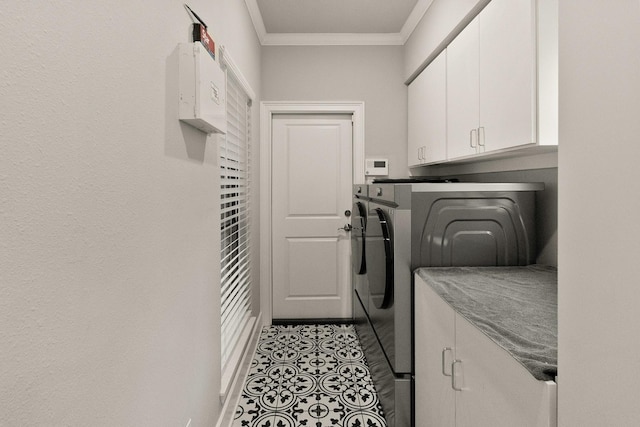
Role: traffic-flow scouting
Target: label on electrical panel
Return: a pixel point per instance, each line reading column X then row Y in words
column 215, row 93
column 201, row 35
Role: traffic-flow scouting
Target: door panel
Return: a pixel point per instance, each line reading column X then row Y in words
column 311, row 190
column 313, row 162
column 427, row 121
column 463, row 95
column 434, row 353
column 507, row 52
column 497, row 390
column 315, row 279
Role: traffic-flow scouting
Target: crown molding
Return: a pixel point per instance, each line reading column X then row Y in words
column 336, row 39
column 256, row 18
column 414, row 18
column 331, row 39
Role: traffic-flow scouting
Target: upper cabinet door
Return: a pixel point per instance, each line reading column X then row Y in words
column 416, row 112
column 463, row 92
column 427, row 114
column 507, row 74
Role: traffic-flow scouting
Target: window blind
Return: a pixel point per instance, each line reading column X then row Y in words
column 235, row 211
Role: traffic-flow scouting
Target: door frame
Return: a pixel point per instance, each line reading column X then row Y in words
column 267, row 110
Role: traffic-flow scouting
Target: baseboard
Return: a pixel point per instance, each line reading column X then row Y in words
column 234, row 391
column 311, row 321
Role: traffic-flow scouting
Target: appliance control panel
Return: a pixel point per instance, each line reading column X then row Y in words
column 376, row 167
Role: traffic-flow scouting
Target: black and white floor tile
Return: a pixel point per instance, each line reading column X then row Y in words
column 309, row 375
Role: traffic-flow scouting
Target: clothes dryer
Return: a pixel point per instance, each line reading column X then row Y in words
column 411, row 225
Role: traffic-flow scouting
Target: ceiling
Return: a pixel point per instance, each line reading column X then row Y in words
column 335, row 22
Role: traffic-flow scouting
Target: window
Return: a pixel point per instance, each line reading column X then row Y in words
column 235, row 211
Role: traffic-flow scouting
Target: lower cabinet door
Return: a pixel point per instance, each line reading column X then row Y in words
column 496, row 389
column 434, row 339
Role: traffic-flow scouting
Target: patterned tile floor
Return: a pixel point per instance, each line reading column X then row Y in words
column 309, row 375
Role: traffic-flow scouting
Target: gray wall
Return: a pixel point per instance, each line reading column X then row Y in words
column 109, row 216
column 372, row 74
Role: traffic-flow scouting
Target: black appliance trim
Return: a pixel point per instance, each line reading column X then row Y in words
column 388, row 249
column 362, row 211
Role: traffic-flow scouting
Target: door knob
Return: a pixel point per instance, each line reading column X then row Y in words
column 347, row 227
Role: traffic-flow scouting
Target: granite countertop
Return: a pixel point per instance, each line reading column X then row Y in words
column 514, row 306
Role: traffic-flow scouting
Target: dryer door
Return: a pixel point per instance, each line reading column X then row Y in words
column 379, row 258
column 358, row 224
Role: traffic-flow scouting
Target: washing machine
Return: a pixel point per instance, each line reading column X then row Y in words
column 427, row 224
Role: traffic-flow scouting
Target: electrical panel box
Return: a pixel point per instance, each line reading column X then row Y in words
column 202, row 89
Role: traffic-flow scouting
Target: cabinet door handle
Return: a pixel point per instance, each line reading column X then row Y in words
column 444, row 363
column 453, row 374
column 481, row 137
column 421, row 153
column 472, row 136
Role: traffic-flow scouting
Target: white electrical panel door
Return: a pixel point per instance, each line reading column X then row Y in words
column 202, row 87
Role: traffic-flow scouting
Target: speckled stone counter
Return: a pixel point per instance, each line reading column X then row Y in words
column 514, row 306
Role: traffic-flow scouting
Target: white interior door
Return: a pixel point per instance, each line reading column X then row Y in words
column 311, row 190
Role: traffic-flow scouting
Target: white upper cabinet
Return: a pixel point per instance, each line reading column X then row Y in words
column 507, row 75
column 438, row 26
column 463, row 92
column 427, row 119
column 491, row 81
column 501, row 83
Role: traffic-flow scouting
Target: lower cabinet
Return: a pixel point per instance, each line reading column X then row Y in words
column 463, row 378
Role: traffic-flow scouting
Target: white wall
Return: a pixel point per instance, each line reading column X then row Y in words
column 109, row 280
column 599, row 202
column 372, row 74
